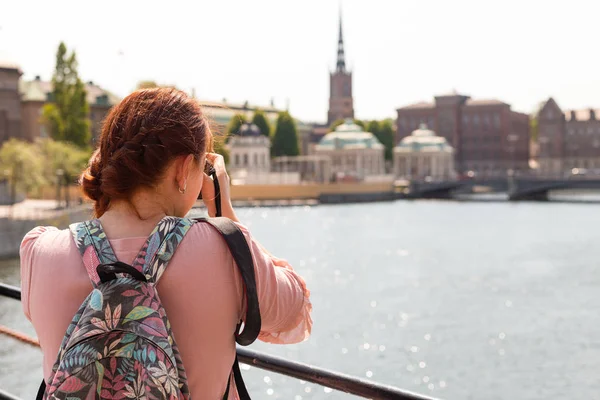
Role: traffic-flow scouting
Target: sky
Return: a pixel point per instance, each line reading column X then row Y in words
column 400, row 51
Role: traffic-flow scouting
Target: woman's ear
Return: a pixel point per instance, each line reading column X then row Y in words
column 183, row 170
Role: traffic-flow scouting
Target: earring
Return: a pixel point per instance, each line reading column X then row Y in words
column 182, row 191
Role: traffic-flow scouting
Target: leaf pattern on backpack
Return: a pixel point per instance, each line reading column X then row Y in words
column 119, row 344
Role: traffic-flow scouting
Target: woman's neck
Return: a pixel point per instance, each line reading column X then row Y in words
column 131, row 219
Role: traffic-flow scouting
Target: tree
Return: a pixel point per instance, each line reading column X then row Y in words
column 534, row 129
column 373, row 127
column 285, row 139
column 220, row 148
column 66, row 116
column 62, row 156
column 260, row 120
column 236, row 123
column 339, row 122
column 22, row 166
column 67, row 158
column 385, row 134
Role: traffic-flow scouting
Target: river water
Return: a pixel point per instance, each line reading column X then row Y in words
column 455, row 300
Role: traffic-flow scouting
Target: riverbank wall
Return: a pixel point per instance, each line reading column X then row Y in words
column 14, row 227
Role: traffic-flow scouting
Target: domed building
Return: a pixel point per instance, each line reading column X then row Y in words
column 424, row 155
column 249, row 150
column 353, row 151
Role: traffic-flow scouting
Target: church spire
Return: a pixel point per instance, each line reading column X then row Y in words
column 341, row 60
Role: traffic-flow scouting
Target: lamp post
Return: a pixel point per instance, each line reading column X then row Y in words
column 543, row 153
column 512, row 138
column 59, row 179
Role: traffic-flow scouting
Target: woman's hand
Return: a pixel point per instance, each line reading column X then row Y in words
column 208, row 188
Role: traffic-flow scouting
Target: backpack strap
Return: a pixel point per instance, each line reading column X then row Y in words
column 238, row 246
column 153, row 258
column 94, row 247
column 243, row 258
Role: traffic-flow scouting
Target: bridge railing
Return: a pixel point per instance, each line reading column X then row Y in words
column 309, row 373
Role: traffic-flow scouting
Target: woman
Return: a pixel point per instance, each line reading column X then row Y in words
column 150, row 164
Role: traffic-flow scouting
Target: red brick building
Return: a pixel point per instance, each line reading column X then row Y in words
column 35, row 93
column 488, row 137
column 10, row 101
column 567, row 139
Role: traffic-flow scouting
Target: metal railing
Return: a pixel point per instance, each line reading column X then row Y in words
column 320, row 376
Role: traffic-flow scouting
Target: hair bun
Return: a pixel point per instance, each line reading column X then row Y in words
column 91, row 178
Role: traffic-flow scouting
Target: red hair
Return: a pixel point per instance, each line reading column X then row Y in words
column 140, row 137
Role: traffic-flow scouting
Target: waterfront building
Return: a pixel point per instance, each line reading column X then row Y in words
column 568, row 140
column 424, row 156
column 352, row 151
column 488, row 137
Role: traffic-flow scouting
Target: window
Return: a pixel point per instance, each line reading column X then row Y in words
column 255, row 159
column 486, row 120
column 475, row 119
column 465, row 119
column 245, row 159
column 237, row 160
column 497, row 120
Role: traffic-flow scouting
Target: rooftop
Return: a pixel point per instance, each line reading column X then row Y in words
column 5, row 64
column 38, row 90
column 349, row 136
column 423, row 140
column 423, row 105
column 582, row 115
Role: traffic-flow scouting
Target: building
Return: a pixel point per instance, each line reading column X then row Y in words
column 250, row 150
column 36, row 93
column 424, row 156
column 353, row 152
column 250, row 160
column 487, row 136
column 567, row 139
column 341, row 105
column 10, row 101
column 221, row 113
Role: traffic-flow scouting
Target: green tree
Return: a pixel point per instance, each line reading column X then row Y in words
column 285, row 139
column 385, row 134
column 64, row 157
column 534, row 129
column 338, row 122
column 260, row 120
column 22, row 166
column 373, row 127
column 66, row 116
column 235, row 124
column 220, row 148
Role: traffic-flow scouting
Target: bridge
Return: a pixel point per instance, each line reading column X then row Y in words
column 519, row 188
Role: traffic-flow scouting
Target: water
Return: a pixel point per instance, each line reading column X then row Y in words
column 454, row 300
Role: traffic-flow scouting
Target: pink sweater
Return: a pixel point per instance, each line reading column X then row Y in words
column 201, row 291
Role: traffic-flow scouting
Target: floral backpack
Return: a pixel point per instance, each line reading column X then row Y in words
column 119, row 344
